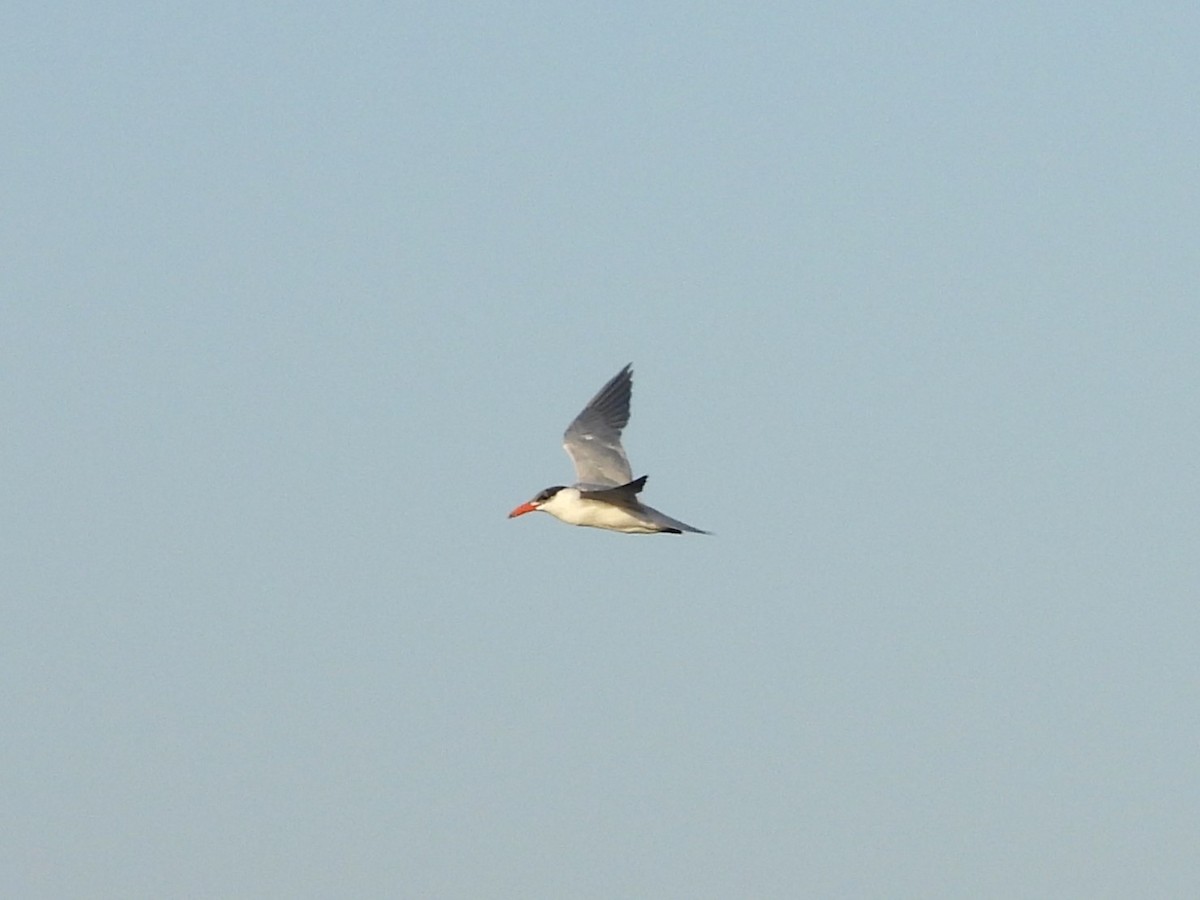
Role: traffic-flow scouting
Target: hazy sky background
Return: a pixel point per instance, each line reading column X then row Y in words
column 298, row 298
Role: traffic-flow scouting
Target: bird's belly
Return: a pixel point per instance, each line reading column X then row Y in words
column 595, row 514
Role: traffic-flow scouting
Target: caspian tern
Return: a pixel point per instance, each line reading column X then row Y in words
column 606, row 494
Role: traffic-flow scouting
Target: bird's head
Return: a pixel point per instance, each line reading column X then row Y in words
column 537, row 502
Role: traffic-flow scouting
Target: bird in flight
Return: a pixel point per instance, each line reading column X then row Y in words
column 606, row 495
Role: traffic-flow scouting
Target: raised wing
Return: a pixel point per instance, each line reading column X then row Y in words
column 593, row 440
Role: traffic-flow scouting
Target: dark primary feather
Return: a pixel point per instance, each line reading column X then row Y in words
column 608, row 411
column 621, row 495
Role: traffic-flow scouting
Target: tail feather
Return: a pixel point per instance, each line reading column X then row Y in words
column 669, row 525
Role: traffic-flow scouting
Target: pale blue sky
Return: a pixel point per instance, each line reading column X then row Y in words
column 298, row 299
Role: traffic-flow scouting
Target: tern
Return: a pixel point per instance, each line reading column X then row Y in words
column 606, row 494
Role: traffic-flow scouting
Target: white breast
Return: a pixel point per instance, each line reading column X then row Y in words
column 568, row 506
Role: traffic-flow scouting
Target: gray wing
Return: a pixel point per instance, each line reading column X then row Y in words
column 593, row 440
